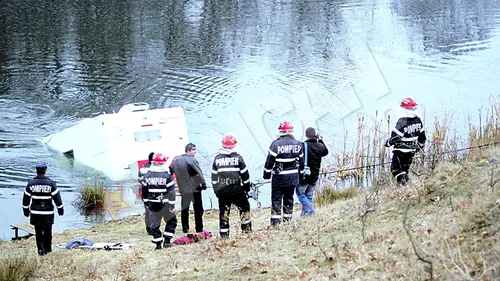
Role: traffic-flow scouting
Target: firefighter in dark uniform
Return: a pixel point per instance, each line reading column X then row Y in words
column 140, row 178
column 231, row 184
column 37, row 201
column 408, row 138
column 285, row 162
column 160, row 194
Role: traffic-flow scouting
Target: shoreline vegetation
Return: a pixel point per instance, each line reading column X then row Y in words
column 91, row 198
column 368, row 161
column 443, row 226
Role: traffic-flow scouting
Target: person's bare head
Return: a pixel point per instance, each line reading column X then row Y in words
column 191, row 149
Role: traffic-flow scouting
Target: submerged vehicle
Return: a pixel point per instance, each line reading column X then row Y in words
column 118, row 144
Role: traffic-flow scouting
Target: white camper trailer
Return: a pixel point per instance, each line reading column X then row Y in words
column 117, row 143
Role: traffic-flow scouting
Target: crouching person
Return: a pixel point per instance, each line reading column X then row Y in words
column 160, row 190
column 231, row 183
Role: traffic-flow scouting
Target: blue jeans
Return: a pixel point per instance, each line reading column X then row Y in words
column 305, row 193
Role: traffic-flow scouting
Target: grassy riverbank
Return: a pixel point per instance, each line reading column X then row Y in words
column 444, row 226
column 446, row 223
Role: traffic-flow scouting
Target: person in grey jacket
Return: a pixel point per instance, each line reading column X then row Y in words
column 190, row 181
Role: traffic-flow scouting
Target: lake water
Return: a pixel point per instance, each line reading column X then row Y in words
column 234, row 66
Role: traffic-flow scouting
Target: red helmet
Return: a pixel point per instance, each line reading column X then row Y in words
column 229, row 141
column 408, row 103
column 285, row 127
column 159, row 159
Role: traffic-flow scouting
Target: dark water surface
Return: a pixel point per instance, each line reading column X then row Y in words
column 234, row 66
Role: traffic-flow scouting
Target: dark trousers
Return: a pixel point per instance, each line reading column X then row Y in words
column 170, row 219
column 241, row 202
column 401, row 162
column 281, row 196
column 146, row 219
column 196, row 199
column 43, row 232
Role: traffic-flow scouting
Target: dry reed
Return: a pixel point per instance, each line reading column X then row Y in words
column 369, row 160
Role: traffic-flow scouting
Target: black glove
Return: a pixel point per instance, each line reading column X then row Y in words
column 247, row 186
column 200, row 187
column 266, row 176
column 26, row 212
column 204, row 186
column 387, row 144
column 60, row 211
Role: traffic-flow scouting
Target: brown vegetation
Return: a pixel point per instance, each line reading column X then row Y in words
column 443, row 226
column 450, row 219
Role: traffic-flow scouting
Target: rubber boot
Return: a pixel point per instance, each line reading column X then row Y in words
column 403, row 180
column 246, row 228
column 167, row 243
column 158, row 246
column 224, row 235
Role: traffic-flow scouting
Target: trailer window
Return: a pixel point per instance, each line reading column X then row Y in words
column 147, row 135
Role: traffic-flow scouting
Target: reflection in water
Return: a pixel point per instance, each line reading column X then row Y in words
column 455, row 29
column 234, row 66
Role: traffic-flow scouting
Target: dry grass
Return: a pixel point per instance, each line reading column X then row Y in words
column 18, row 265
column 328, row 194
column 453, row 222
column 486, row 133
column 366, row 161
column 443, row 226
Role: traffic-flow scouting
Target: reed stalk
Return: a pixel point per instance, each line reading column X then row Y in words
column 368, row 160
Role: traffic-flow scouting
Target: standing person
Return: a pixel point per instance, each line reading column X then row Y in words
column 408, row 138
column 231, row 183
column 37, row 201
column 190, row 180
column 314, row 150
column 285, row 162
column 140, row 177
column 160, row 191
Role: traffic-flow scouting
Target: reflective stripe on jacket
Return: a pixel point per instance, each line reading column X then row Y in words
column 38, row 196
column 229, row 173
column 285, row 161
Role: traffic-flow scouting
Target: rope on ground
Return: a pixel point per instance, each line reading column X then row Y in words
column 427, row 156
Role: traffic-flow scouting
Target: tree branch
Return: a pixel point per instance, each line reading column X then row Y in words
column 412, row 241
